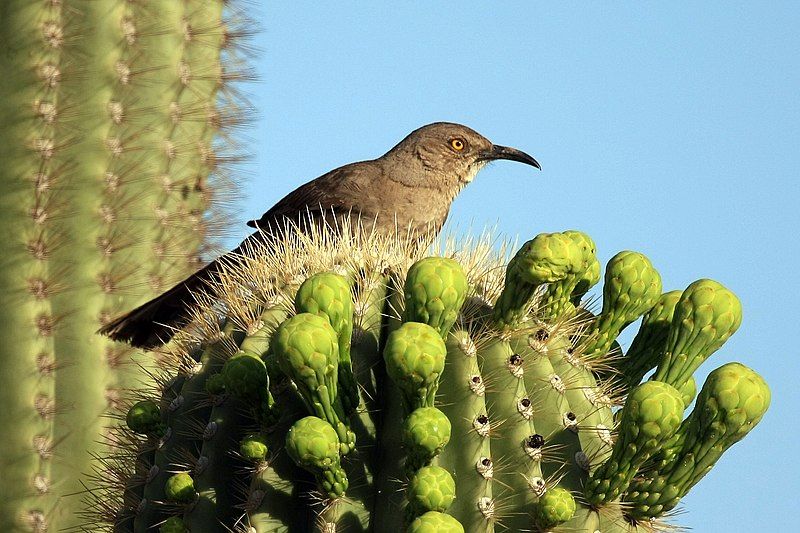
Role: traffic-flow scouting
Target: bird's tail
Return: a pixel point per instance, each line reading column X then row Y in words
column 153, row 323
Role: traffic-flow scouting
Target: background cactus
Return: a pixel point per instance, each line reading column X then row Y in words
column 112, row 113
column 517, row 431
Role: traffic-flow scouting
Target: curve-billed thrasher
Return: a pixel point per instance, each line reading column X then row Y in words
column 409, row 187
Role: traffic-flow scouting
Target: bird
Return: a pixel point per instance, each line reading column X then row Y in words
column 412, row 187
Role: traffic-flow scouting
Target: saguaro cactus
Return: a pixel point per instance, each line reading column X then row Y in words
column 110, row 111
column 486, row 398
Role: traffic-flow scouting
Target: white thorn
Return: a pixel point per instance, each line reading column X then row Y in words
column 485, row 467
column 123, row 71
column 557, row 383
column 116, row 111
column 49, row 74
column 53, row 33
column 128, row 27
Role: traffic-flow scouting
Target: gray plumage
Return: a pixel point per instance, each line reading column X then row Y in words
column 410, row 187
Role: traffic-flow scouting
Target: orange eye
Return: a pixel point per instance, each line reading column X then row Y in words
column 457, row 144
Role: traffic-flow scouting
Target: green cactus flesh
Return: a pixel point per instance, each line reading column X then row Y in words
column 111, row 114
column 468, row 417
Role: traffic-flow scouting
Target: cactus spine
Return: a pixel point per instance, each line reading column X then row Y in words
column 469, row 417
column 110, row 111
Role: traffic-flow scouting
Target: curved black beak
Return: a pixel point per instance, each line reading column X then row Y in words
column 512, row 154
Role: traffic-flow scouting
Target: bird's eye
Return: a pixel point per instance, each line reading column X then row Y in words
column 458, row 144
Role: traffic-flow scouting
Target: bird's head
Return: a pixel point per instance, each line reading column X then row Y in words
column 452, row 154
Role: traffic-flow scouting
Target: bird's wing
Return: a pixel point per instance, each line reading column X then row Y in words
column 331, row 192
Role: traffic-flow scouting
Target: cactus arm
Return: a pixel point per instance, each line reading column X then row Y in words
column 90, row 187
column 706, row 315
column 82, row 375
column 130, row 222
column 189, row 165
column 462, row 398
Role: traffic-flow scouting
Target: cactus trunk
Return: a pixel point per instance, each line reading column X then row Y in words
column 110, row 111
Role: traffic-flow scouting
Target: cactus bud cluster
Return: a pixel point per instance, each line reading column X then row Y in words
column 451, row 414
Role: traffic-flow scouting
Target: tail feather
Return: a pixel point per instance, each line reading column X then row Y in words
column 153, row 323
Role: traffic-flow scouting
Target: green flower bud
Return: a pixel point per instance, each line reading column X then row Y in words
column 173, row 524
column 425, row 432
column 548, row 258
column 434, row 291
column 313, row 444
column 557, row 301
column 180, row 488
column 705, row 317
column 632, row 287
column 435, row 522
column 246, row 377
column 733, row 400
column 307, row 350
column 587, row 280
column 253, row 448
column 554, row 507
column 145, row 418
column 652, row 414
column 328, row 295
column 431, row 489
column 415, row 355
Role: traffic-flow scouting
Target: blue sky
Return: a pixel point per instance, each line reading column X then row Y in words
column 671, row 128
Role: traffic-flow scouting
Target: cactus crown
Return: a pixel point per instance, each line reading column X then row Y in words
column 466, row 416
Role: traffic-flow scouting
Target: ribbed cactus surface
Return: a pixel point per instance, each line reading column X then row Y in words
column 357, row 386
column 110, row 110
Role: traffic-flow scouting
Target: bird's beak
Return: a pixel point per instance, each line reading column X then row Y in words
column 504, row 152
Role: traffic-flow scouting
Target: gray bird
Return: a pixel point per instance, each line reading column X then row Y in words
column 410, row 187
